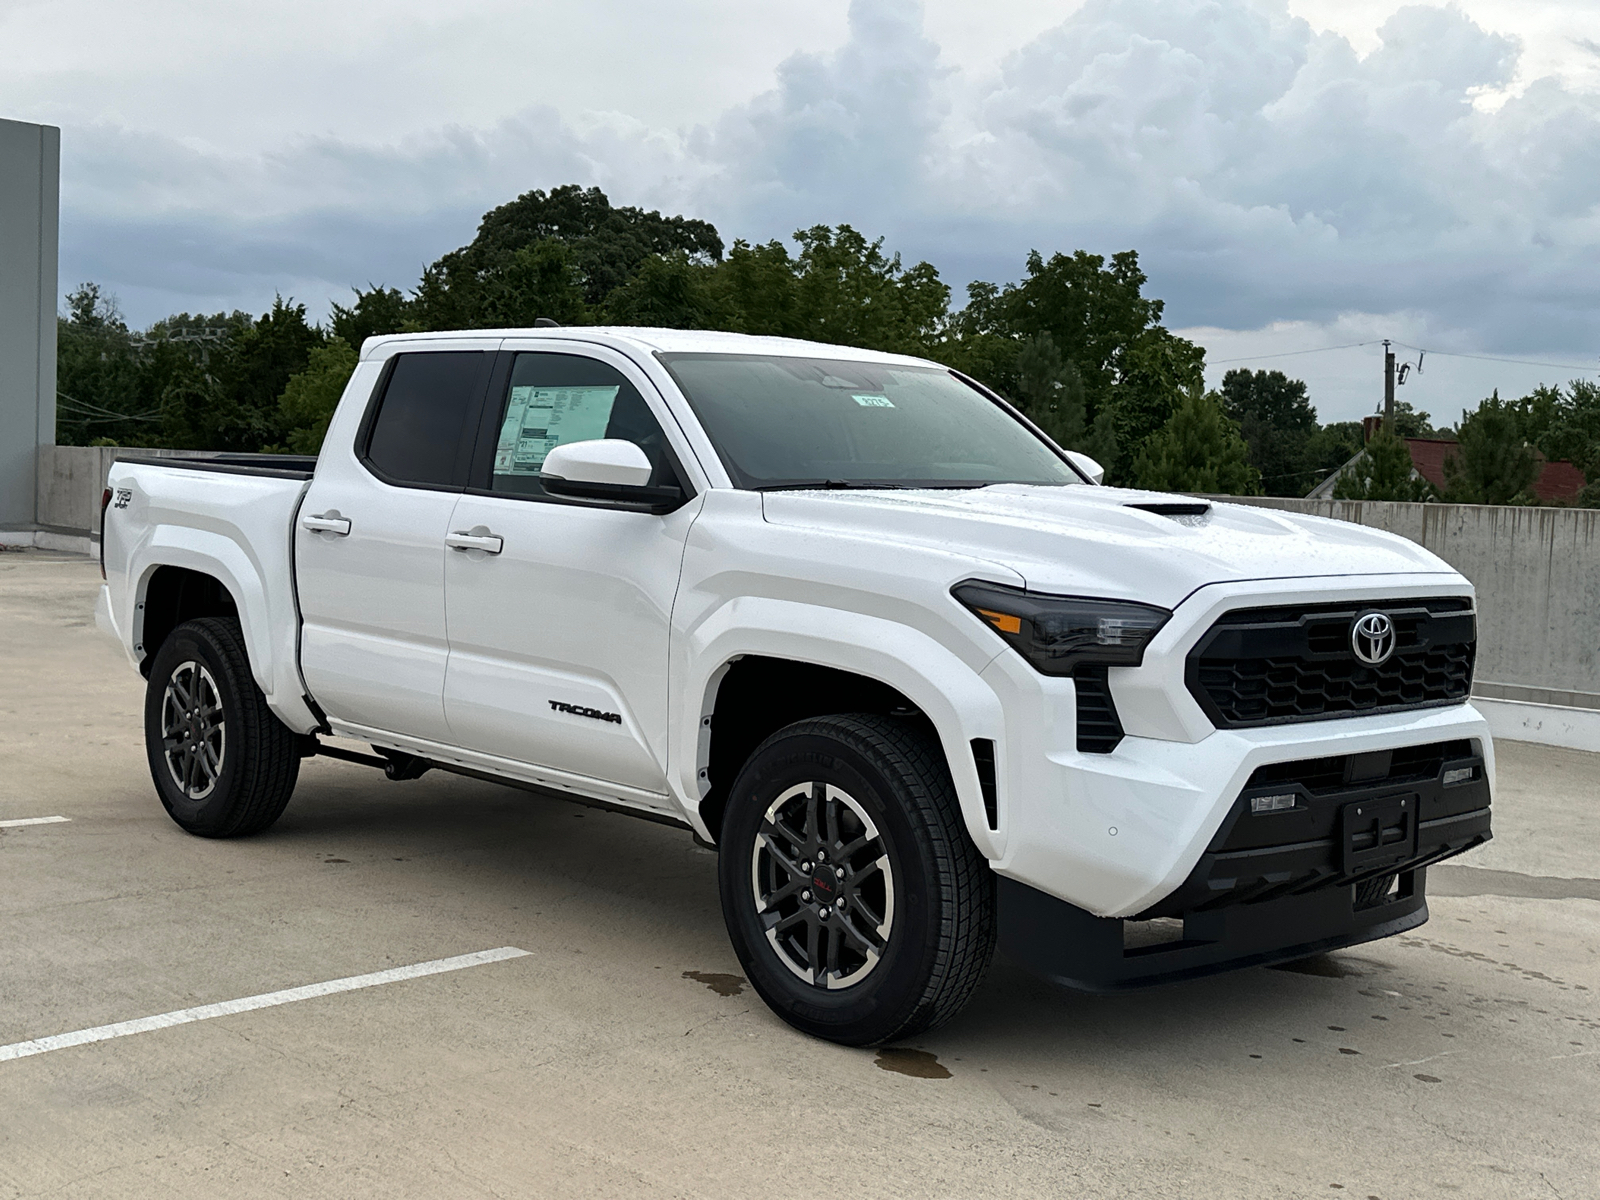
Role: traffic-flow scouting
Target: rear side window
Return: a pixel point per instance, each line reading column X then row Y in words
column 554, row 399
column 421, row 432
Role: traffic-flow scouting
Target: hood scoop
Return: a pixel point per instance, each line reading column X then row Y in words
column 1184, row 512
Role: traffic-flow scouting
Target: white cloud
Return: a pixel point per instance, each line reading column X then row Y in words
column 1278, row 168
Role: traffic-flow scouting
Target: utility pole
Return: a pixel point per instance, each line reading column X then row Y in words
column 1388, row 386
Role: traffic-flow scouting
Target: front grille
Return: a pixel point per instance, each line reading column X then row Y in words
column 1268, row 666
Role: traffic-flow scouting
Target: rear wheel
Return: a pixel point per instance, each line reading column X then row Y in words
column 223, row 764
column 857, row 904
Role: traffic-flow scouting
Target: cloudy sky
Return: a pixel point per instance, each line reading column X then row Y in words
column 1294, row 173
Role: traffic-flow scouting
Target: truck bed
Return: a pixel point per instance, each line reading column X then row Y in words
column 273, row 466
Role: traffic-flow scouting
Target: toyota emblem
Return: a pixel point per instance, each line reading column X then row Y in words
column 1372, row 638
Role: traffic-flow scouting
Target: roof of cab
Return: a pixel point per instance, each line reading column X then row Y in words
column 666, row 341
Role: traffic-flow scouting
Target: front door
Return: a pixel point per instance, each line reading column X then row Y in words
column 370, row 546
column 558, row 630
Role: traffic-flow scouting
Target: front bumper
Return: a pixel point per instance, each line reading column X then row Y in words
column 1313, row 855
column 1077, row 949
column 1116, row 834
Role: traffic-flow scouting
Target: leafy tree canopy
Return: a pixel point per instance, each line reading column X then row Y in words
column 1277, row 421
column 1495, row 463
column 557, row 254
column 1383, row 472
column 1198, row 450
column 309, row 398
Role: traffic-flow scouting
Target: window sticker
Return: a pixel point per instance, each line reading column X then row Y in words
column 540, row 419
column 872, row 401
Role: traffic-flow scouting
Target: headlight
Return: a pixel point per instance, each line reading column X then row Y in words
column 1058, row 634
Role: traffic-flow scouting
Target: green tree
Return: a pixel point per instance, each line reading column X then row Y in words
column 251, row 368
column 1564, row 425
column 1276, row 419
column 1329, row 448
column 101, row 391
column 1099, row 319
column 1198, row 450
column 1383, row 472
column 377, row 311
column 1050, row 391
column 1409, row 423
column 566, row 250
column 1494, row 463
column 309, row 398
column 1157, row 371
column 671, row 292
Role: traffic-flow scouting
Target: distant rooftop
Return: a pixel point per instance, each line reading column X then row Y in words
column 1558, row 482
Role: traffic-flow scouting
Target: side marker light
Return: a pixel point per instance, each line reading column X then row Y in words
column 1004, row 622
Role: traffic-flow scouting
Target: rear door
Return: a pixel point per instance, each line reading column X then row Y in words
column 558, row 631
column 370, row 544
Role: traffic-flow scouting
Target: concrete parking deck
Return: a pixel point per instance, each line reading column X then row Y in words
column 623, row 1055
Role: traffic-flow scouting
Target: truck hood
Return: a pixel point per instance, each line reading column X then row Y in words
column 1097, row 541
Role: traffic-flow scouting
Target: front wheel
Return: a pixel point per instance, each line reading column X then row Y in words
column 855, row 900
column 223, row 764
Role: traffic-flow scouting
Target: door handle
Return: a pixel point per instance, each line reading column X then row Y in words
column 477, row 538
column 328, row 522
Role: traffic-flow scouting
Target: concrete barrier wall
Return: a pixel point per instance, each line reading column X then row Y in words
column 1537, row 574
column 1536, row 570
column 71, row 480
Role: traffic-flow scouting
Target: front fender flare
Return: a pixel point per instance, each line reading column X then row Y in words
column 945, row 687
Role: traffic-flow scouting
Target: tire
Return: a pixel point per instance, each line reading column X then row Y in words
column 912, row 906
column 223, row 764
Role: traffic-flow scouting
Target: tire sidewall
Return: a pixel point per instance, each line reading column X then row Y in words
column 881, row 1003
column 210, row 815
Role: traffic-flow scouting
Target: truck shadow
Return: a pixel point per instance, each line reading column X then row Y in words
column 502, row 850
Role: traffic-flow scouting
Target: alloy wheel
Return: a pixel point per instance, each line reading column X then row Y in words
column 193, row 731
column 823, row 885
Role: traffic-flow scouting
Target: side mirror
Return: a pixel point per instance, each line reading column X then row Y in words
column 1095, row 472
column 608, row 469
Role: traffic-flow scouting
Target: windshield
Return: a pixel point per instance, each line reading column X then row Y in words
column 810, row 422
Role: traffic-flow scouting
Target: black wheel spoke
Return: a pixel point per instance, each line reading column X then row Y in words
column 848, row 927
column 778, row 856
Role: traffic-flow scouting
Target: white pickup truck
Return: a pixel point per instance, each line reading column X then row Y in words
column 846, row 616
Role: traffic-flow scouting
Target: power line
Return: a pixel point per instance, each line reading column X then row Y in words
column 1217, row 362
column 1527, row 362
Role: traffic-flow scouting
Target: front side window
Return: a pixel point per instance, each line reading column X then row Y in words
column 420, row 433
column 555, row 399
column 803, row 422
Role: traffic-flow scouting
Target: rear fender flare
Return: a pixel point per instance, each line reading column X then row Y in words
column 270, row 635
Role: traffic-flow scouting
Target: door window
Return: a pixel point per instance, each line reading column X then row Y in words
column 420, row 431
column 554, row 399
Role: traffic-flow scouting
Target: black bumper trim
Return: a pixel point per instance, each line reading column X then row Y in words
column 1076, row 949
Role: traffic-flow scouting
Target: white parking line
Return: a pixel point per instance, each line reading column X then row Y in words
column 32, row 821
column 226, row 1008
